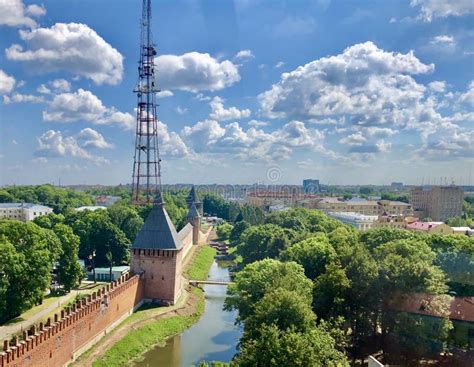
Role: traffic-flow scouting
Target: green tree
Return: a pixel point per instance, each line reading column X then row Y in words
column 281, row 307
column 11, row 272
column 223, row 231
column 36, row 250
column 330, row 290
column 237, row 231
column 378, row 236
column 259, row 242
column 256, row 279
column 314, row 253
column 70, row 270
column 276, row 348
column 126, row 219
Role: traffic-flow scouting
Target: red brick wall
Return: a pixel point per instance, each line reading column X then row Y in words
column 162, row 273
column 56, row 344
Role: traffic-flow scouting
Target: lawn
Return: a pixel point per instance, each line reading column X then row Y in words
column 201, row 263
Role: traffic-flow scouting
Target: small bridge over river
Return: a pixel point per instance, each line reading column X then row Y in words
column 209, row 282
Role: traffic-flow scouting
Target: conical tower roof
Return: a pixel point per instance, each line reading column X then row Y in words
column 193, row 212
column 158, row 232
column 193, row 197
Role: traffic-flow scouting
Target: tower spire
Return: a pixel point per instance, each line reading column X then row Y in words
column 146, row 166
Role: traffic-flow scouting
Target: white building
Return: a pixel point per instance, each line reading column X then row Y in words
column 23, row 211
column 360, row 221
column 463, row 230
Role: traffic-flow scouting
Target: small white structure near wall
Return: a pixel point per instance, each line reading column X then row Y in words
column 374, row 363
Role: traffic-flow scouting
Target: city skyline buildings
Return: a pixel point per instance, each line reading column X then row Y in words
column 72, row 120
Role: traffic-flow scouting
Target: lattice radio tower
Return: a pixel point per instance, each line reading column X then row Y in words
column 146, row 165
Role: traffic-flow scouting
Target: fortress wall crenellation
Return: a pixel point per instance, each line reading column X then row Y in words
column 55, row 342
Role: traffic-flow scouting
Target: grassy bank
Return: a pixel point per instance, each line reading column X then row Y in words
column 138, row 341
column 155, row 333
column 201, row 263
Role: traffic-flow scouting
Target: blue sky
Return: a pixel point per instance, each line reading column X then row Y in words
column 344, row 91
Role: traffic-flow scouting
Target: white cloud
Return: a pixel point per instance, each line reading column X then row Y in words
column 437, row 86
column 36, row 10
column 82, row 105
column 164, row 94
column 356, row 139
column 210, row 137
column 91, row 138
column 392, row 20
column 430, row 9
column 222, row 114
column 194, row 72
column 244, row 55
column 256, row 123
column 7, row 82
column 468, row 96
column 43, row 89
column 71, row 47
column 367, row 85
column 23, row 98
column 279, row 64
column 201, row 97
column 61, row 85
column 443, row 39
column 52, row 144
column 170, row 143
column 14, row 14
column 181, row 110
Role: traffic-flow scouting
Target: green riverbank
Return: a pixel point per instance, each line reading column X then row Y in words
column 139, row 340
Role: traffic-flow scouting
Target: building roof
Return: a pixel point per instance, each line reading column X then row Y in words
column 24, row 206
column 193, row 196
column 353, row 216
column 423, row 226
column 461, row 229
column 193, row 212
column 122, row 269
column 158, row 232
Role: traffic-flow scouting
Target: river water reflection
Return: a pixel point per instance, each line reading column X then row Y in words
column 213, row 338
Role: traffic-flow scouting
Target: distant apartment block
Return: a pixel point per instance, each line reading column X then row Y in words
column 366, row 207
column 267, row 199
column 23, row 211
column 311, row 186
column 360, row 221
column 438, row 203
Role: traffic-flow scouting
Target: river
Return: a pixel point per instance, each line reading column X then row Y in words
column 213, row 338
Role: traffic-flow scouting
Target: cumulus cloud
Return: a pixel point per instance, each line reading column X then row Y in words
column 23, row 98
column 57, row 85
column 430, row 9
column 52, row 144
column 468, row 97
column 437, row 86
column 222, row 114
column 279, row 64
column 83, row 105
column 14, row 14
column 36, row 10
column 170, row 143
column 257, row 123
column 71, row 47
column 164, row 94
column 194, row 72
column 181, row 110
column 91, row 138
column 210, row 137
column 7, row 82
column 244, row 55
column 443, row 39
column 365, row 84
